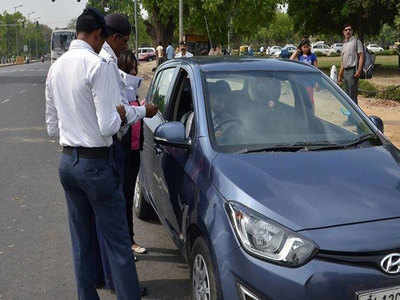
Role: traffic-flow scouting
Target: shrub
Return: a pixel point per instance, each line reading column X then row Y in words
column 390, row 93
column 366, row 88
column 387, row 52
column 334, row 54
column 319, row 54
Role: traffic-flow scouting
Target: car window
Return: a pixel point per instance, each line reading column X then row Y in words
column 161, row 87
column 278, row 108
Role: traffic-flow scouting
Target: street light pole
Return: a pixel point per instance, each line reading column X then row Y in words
column 180, row 21
column 136, row 29
column 37, row 33
column 16, row 30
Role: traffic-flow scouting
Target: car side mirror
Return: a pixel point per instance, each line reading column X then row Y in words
column 172, row 134
column 378, row 122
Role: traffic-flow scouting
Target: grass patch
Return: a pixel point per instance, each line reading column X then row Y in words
column 387, row 62
column 366, row 88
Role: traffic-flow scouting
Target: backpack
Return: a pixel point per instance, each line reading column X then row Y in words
column 369, row 63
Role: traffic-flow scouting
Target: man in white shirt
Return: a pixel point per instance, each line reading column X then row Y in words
column 170, row 51
column 80, row 89
column 183, row 53
column 116, row 43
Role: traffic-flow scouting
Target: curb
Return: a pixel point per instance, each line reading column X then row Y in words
column 9, row 65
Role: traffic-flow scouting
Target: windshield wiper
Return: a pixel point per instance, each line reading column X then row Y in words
column 361, row 139
column 304, row 146
column 275, row 148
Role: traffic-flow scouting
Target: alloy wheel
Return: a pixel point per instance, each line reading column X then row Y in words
column 201, row 279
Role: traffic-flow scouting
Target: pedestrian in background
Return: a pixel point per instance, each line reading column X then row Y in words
column 183, row 52
column 133, row 139
column 303, row 54
column 352, row 63
column 170, row 51
column 80, row 89
column 159, row 54
column 116, row 43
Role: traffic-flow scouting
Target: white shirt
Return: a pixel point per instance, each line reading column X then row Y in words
column 160, row 51
column 179, row 55
column 133, row 113
column 79, row 87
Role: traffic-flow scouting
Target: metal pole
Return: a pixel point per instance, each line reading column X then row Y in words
column 180, row 21
column 16, row 40
column 136, row 30
column 208, row 32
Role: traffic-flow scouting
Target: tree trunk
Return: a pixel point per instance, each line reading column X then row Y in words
column 159, row 32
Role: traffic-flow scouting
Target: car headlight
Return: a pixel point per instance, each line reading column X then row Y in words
column 268, row 240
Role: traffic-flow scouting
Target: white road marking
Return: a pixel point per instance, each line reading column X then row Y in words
column 34, row 84
column 5, row 101
column 22, row 91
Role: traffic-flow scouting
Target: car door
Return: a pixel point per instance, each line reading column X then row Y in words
column 176, row 189
column 158, row 94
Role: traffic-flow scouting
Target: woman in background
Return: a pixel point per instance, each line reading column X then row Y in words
column 133, row 139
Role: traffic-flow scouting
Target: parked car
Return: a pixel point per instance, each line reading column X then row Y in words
column 323, row 48
column 271, row 190
column 338, row 47
column 374, row 48
column 290, row 49
column 273, row 49
column 147, row 53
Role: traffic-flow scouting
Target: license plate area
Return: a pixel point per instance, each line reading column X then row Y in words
column 381, row 294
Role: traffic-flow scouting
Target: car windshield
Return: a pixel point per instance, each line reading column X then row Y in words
column 260, row 109
column 62, row 40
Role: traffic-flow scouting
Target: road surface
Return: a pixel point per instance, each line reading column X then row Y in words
column 35, row 248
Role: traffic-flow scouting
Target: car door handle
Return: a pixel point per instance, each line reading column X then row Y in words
column 158, row 150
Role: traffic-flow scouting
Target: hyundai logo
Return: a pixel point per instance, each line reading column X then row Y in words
column 391, row 263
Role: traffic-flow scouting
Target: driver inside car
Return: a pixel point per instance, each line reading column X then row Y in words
column 227, row 128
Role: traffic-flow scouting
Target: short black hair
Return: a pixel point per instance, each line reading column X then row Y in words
column 117, row 23
column 182, row 43
column 90, row 20
column 347, row 25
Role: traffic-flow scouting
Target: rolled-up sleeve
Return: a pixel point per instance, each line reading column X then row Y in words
column 134, row 113
column 51, row 111
column 105, row 88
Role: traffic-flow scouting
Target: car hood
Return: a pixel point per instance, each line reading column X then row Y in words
column 316, row 189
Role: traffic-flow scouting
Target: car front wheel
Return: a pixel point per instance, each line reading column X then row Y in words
column 143, row 209
column 204, row 283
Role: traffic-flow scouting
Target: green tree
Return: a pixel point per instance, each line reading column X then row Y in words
column 327, row 16
column 243, row 18
column 279, row 31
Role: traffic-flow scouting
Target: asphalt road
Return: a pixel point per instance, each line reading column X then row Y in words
column 35, row 248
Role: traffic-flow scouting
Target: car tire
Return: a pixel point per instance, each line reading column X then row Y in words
column 150, row 59
column 143, row 209
column 203, row 276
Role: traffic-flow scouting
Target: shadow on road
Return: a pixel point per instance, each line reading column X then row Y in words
column 179, row 289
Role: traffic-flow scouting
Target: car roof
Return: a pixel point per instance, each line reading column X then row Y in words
column 229, row 63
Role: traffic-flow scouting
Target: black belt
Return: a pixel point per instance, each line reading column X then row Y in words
column 99, row 152
column 349, row 68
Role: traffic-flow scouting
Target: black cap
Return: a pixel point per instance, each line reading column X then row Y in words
column 90, row 20
column 118, row 23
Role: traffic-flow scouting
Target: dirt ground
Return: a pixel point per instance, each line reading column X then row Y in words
column 388, row 111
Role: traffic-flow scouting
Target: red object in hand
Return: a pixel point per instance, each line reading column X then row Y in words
column 135, row 130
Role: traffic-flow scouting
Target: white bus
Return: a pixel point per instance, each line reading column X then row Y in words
column 60, row 41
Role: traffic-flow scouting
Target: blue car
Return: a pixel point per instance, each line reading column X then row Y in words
column 271, row 181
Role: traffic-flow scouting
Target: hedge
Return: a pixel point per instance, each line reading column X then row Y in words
column 387, row 52
column 390, row 93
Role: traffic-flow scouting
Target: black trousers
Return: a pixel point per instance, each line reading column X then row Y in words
column 131, row 172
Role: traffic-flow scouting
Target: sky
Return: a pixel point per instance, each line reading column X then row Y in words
column 54, row 14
